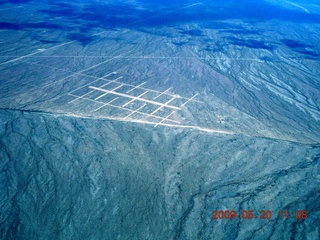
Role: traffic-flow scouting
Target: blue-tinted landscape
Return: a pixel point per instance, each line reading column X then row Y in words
column 138, row 119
